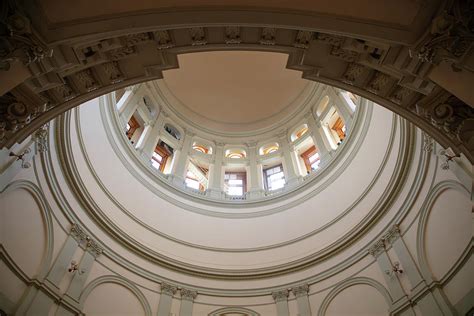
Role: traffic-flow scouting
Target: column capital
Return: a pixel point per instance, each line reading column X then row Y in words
column 301, row 290
column 281, row 295
column 187, row 294
column 168, row 289
column 251, row 144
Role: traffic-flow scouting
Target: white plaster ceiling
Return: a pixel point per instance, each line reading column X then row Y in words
column 236, row 91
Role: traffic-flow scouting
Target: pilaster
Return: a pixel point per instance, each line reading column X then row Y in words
column 166, row 298
column 281, row 302
column 187, row 301
column 302, row 299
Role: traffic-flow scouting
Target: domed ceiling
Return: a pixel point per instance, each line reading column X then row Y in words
column 234, row 91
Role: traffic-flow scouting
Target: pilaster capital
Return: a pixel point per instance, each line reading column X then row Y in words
column 377, row 248
column 281, row 295
column 188, row 295
column 251, row 144
column 168, row 289
column 301, row 290
column 392, row 234
column 82, row 238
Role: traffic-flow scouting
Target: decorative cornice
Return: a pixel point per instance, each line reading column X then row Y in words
column 168, row 289
column 301, row 290
column 187, row 294
column 281, row 295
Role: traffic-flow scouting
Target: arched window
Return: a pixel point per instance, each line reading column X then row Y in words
column 311, row 159
column 202, row 148
column 268, row 149
column 235, row 153
column 300, row 131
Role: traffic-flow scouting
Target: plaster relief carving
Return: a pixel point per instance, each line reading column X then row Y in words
column 353, row 72
column 301, row 290
column 379, row 82
column 187, row 294
column 232, row 35
column 86, row 80
column 392, row 234
column 19, row 43
column 40, row 138
column 168, row 289
column 303, row 39
column 268, row 36
column 331, row 39
column 377, row 248
column 344, row 54
column 83, row 239
column 280, row 295
column 428, row 143
column 134, row 39
column 198, row 36
column 113, row 72
column 163, row 39
column 400, row 94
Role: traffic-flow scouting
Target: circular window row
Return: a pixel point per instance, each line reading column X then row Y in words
column 248, row 171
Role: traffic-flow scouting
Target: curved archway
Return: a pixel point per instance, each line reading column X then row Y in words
column 378, row 61
column 351, row 282
column 117, row 280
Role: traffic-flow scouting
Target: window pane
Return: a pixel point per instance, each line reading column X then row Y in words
column 191, row 183
column 235, row 191
column 235, row 182
column 155, row 164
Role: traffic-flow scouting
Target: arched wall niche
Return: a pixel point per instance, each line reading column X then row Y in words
column 32, row 224
column 355, row 282
column 435, row 215
column 237, row 311
column 121, row 284
column 375, row 60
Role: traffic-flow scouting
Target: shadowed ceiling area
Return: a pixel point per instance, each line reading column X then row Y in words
column 394, row 12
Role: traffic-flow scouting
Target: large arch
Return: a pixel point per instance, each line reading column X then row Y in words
column 54, row 63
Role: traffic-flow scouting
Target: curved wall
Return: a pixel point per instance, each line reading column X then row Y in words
column 176, row 260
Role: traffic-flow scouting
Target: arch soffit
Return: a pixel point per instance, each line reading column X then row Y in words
column 377, row 69
column 351, row 282
column 120, row 281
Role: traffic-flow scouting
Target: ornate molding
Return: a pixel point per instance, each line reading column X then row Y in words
column 450, row 36
column 379, row 71
column 388, row 238
column 279, row 296
column 168, row 289
column 40, row 138
column 392, row 234
column 428, row 143
column 301, row 290
column 188, row 295
column 17, row 41
column 232, row 35
column 377, row 248
column 82, row 238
